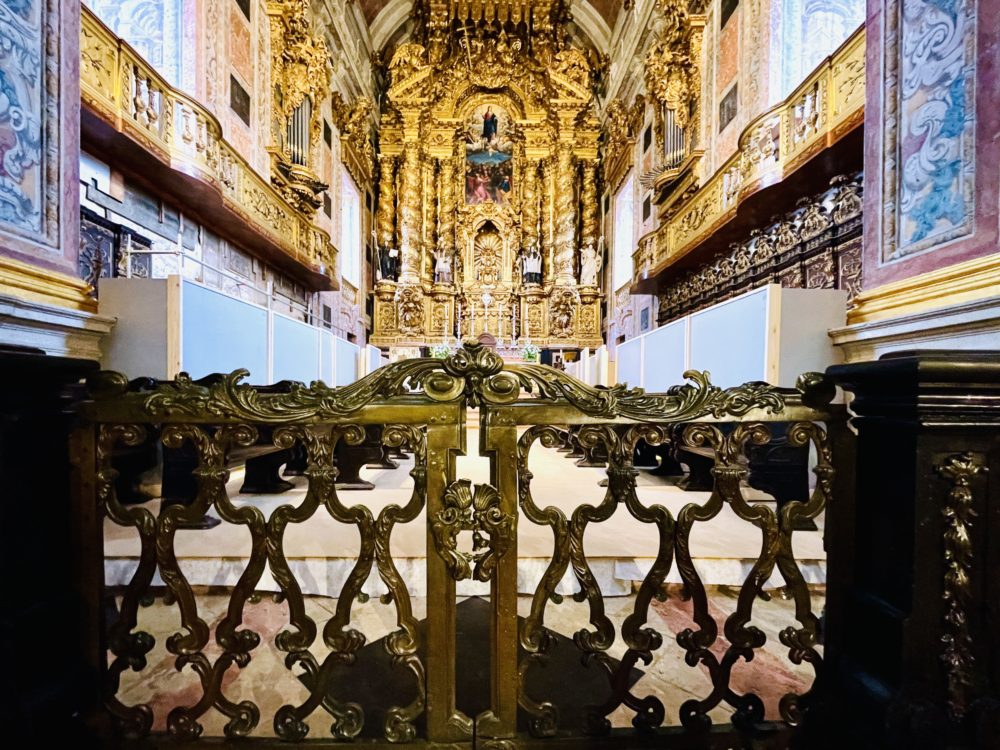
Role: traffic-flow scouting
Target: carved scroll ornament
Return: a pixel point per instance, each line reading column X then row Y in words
column 476, row 509
column 473, row 373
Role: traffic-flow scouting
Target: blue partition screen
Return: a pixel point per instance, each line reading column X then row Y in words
column 209, row 344
column 629, row 365
column 296, row 350
column 347, row 362
column 327, row 344
column 664, row 360
column 729, row 340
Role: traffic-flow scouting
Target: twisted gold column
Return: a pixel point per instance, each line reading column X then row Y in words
column 529, row 205
column 588, row 203
column 409, row 215
column 446, row 206
column 547, row 224
column 386, row 219
column 428, row 219
column 564, row 248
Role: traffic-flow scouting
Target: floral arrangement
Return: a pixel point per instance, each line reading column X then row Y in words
column 530, row 353
column 440, row 351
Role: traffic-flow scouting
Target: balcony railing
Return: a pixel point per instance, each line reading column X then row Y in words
column 827, row 105
column 126, row 92
column 320, row 679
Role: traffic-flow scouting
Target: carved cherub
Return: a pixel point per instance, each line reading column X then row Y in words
column 406, row 61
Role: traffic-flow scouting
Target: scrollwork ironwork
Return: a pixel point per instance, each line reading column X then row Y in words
column 473, row 372
column 476, row 509
column 420, row 405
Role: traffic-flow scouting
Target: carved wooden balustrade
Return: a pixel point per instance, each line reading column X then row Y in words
column 825, row 107
column 421, row 405
column 124, row 90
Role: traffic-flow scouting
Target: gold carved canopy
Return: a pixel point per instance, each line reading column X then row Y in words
column 488, row 148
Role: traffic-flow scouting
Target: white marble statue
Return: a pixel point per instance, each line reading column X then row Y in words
column 590, row 265
column 442, row 267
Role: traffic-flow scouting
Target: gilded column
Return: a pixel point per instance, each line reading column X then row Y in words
column 588, row 204
column 386, row 219
column 529, row 205
column 446, row 206
column 564, row 246
column 409, row 215
column 429, row 197
column 547, row 224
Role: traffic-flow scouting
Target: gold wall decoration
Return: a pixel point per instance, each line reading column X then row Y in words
column 184, row 135
column 354, row 122
column 622, row 124
column 673, row 83
column 959, row 470
column 496, row 156
column 300, row 71
column 827, row 106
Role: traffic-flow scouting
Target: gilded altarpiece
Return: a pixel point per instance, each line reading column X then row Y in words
column 487, row 192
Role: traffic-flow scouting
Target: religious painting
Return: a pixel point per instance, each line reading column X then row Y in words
column 488, row 151
column 21, row 114
column 931, row 136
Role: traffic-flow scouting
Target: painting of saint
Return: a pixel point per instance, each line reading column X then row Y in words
column 488, row 151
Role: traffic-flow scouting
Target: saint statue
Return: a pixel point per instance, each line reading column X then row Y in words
column 531, row 265
column 442, row 267
column 590, row 265
column 388, row 258
column 489, row 125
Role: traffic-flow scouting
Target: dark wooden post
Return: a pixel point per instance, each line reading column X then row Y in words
column 913, row 636
column 50, row 551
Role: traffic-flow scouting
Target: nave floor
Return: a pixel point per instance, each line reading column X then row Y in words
column 322, row 551
column 270, row 684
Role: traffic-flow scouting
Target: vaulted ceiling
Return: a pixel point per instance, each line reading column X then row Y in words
column 608, row 9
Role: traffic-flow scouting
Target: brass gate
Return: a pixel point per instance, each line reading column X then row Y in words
column 421, row 406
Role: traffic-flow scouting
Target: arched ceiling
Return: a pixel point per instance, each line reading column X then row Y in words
column 595, row 18
column 607, row 9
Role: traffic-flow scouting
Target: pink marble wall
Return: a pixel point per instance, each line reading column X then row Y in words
column 728, row 54
column 881, row 164
column 240, row 45
column 47, row 159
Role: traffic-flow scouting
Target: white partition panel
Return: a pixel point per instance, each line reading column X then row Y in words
column 374, row 358
column 601, row 366
column 665, row 356
column 140, row 344
column 327, row 348
column 222, row 334
column 295, row 350
column 729, row 340
column 346, row 362
column 629, row 362
column 806, row 315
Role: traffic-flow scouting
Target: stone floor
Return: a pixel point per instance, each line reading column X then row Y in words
column 268, row 683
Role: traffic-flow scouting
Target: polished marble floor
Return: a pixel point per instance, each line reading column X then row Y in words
column 270, row 684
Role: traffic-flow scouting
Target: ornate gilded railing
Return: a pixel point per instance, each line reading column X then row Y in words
column 420, row 405
column 125, row 91
column 817, row 114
